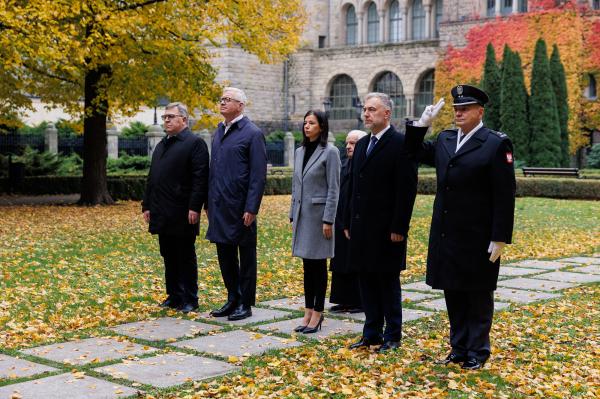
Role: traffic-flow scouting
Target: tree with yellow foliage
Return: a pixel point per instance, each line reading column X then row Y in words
column 119, row 55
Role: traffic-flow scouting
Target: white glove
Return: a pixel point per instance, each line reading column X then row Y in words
column 495, row 249
column 430, row 113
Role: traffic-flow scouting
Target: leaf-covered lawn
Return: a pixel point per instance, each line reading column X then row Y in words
column 69, row 271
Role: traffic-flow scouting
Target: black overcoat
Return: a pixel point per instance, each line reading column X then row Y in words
column 383, row 187
column 238, row 174
column 339, row 263
column 474, row 204
column 177, row 182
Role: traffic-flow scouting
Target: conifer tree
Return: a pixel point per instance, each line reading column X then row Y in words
column 513, row 105
column 559, row 83
column 544, row 145
column 490, row 83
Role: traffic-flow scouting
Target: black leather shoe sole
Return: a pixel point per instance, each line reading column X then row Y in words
column 364, row 343
column 239, row 315
column 223, row 311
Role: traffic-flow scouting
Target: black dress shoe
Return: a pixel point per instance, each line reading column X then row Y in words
column 169, row 303
column 300, row 328
column 240, row 313
column 365, row 342
column 225, row 310
column 452, row 358
column 473, row 364
column 337, row 308
column 187, row 307
column 388, row 345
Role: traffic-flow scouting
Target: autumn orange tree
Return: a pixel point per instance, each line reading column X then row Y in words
column 119, row 55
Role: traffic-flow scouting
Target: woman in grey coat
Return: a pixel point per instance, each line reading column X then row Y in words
column 315, row 191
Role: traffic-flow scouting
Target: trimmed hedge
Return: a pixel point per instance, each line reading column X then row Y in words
column 132, row 187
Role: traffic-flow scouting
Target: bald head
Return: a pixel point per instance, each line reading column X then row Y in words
column 351, row 139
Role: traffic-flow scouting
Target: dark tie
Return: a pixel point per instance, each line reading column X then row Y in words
column 371, row 144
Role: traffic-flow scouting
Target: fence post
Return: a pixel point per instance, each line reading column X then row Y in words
column 51, row 139
column 289, row 147
column 207, row 139
column 112, row 141
column 155, row 134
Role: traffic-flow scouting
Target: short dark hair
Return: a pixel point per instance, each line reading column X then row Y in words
column 323, row 125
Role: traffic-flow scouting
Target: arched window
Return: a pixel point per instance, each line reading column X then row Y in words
column 596, row 4
column 342, row 96
column 424, row 95
column 590, row 91
column 506, row 7
column 418, row 20
column 396, row 27
column 439, row 12
column 351, row 26
column 491, row 8
column 523, row 5
column 372, row 24
column 390, row 84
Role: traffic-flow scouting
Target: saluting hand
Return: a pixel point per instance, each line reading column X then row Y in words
column 430, row 113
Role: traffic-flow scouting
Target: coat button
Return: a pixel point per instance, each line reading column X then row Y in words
column 451, row 165
column 443, row 235
column 447, row 188
column 445, row 211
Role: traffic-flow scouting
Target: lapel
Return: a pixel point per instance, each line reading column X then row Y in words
column 313, row 158
column 473, row 143
column 235, row 127
column 449, row 143
column 378, row 147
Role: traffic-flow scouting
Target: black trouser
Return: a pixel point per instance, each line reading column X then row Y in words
column 239, row 274
column 315, row 283
column 382, row 302
column 345, row 289
column 470, row 314
column 181, row 267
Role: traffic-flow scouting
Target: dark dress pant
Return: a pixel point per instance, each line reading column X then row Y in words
column 239, row 273
column 382, row 302
column 470, row 314
column 315, row 283
column 181, row 267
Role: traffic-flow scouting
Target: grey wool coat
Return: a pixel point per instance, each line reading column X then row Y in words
column 315, row 195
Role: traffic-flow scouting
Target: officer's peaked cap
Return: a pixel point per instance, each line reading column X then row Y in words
column 465, row 95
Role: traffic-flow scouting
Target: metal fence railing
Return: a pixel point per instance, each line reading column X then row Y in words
column 16, row 143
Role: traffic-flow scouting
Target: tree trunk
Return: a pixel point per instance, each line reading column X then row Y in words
column 94, row 189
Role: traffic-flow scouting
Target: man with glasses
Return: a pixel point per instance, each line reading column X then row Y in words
column 176, row 190
column 238, row 174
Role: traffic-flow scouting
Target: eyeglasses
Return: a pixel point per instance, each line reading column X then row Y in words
column 168, row 117
column 228, row 100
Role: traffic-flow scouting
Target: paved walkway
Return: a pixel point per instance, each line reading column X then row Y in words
column 168, row 351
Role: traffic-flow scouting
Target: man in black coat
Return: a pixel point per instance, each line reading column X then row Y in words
column 176, row 191
column 345, row 292
column 383, row 187
column 472, row 218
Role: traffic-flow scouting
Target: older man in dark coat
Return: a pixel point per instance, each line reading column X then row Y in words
column 472, row 218
column 383, row 187
column 236, row 186
column 175, row 193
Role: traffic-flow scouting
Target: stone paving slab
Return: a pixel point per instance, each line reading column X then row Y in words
column 522, row 296
column 63, row 386
column 89, row 350
column 294, row 303
column 166, row 328
column 168, row 369
column 569, row 277
column 12, row 367
column 237, row 343
column 541, row 264
column 533, row 284
column 440, row 305
column 586, row 260
column 330, row 327
column 407, row 315
column 517, row 271
column 590, row 269
column 258, row 315
column 412, row 296
column 420, row 286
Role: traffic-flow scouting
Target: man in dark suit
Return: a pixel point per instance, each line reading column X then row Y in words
column 383, row 189
column 237, row 181
column 345, row 292
column 472, row 218
column 176, row 190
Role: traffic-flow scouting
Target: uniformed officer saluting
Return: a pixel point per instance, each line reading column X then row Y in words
column 472, row 219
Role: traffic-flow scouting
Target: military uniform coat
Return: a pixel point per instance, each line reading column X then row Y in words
column 474, row 204
column 383, row 187
column 177, row 182
column 315, row 193
column 339, row 263
column 238, row 173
